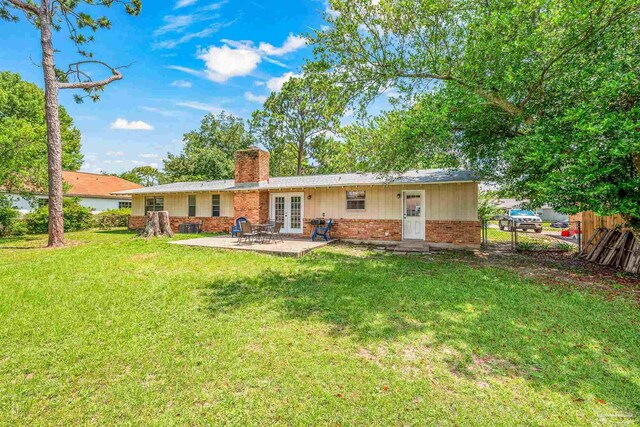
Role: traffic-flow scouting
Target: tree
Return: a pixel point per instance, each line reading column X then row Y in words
column 23, row 137
column 46, row 17
column 208, row 152
column 307, row 108
column 540, row 97
column 146, row 176
column 488, row 205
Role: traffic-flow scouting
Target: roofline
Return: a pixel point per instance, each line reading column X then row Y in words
column 232, row 190
column 86, row 196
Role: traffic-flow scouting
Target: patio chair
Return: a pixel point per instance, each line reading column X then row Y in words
column 235, row 229
column 273, row 234
column 246, row 232
column 323, row 231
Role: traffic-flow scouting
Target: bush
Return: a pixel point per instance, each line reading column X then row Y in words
column 76, row 217
column 112, row 218
column 8, row 217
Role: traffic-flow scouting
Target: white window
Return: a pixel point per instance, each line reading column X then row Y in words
column 215, row 205
column 192, row 205
column 355, row 200
column 153, row 204
column 124, row 205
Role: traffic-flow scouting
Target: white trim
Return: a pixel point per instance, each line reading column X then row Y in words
column 423, row 213
column 288, row 197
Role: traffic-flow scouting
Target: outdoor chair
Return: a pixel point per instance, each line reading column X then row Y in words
column 322, row 231
column 246, row 232
column 235, row 229
column 273, row 234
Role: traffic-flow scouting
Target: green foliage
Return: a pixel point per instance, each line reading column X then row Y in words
column 208, row 152
column 488, row 205
column 111, row 218
column 76, row 217
column 297, row 119
column 540, row 97
column 23, row 136
column 8, row 216
column 146, row 176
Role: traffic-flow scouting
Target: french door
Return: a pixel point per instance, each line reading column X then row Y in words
column 288, row 209
column 413, row 215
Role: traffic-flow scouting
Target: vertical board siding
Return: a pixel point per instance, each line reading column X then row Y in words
column 442, row 202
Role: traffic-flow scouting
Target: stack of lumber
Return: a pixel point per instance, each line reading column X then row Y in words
column 613, row 248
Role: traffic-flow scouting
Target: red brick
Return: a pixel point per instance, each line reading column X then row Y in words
column 209, row 224
column 251, row 166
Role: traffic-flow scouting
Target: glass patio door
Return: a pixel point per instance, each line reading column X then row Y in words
column 287, row 208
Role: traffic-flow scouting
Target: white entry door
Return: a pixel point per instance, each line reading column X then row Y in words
column 413, row 215
column 288, row 209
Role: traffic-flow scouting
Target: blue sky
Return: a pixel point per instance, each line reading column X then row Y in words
column 188, row 57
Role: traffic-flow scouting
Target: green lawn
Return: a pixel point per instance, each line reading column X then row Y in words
column 118, row 330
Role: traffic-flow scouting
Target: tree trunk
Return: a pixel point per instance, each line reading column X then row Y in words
column 54, row 138
column 300, row 154
column 157, row 224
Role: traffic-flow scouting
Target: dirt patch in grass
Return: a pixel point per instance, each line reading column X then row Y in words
column 562, row 269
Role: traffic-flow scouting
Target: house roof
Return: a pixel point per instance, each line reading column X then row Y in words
column 84, row 184
column 425, row 176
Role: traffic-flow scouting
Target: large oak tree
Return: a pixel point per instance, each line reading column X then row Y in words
column 542, row 97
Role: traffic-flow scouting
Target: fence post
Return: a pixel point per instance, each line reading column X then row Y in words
column 579, row 237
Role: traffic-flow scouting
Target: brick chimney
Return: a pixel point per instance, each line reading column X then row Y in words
column 252, row 166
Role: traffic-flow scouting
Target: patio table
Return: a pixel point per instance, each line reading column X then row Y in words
column 262, row 228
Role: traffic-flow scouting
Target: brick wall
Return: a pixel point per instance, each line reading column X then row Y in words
column 253, row 205
column 210, row 224
column 455, row 232
column 251, row 166
column 361, row 229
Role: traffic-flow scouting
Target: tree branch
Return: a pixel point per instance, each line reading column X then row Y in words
column 89, row 84
column 25, row 6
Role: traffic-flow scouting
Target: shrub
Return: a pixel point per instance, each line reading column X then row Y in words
column 76, row 217
column 112, row 218
column 8, row 216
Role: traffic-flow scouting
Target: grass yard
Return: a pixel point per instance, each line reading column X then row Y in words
column 119, row 330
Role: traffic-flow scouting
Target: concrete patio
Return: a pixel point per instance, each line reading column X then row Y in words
column 290, row 247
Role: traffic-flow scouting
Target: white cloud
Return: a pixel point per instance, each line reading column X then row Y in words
column 227, row 61
column 175, row 23
column 291, row 44
column 187, row 70
column 201, row 106
column 214, row 28
column 160, row 111
column 184, row 3
column 149, row 156
column 254, row 98
column 181, row 83
column 214, row 6
column 115, row 153
column 275, row 83
column 124, row 124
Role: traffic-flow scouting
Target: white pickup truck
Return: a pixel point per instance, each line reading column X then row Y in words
column 520, row 219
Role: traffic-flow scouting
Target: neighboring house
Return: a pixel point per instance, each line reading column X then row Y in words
column 546, row 213
column 94, row 190
column 436, row 206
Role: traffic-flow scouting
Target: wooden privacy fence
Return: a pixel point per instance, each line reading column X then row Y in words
column 590, row 222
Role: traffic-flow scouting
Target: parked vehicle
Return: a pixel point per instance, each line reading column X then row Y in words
column 561, row 224
column 521, row 219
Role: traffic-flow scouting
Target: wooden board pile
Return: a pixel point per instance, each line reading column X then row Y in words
column 613, row 248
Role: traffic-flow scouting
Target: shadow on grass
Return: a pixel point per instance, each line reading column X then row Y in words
column 558, row 340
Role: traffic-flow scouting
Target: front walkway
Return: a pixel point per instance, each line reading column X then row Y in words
column 290, row 247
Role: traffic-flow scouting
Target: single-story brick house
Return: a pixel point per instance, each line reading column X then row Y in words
column 436, row 206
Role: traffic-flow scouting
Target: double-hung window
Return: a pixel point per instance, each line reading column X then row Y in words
column 355, row 200
column 215, row 205
column 124, row 205
column 192, row 205
column 153, row 204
